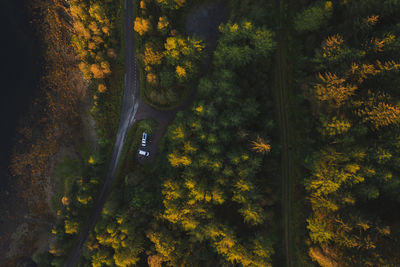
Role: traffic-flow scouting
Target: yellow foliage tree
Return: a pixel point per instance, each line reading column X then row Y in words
column 71, row 227
column 335, row 126
column 234, row 28
column 163, row 244
column 172, row 190
column 328, row 5
column 81, row 31
column 177, row 161
column 97, row 12
column 176, row 46
column 252, row 214
column 124, row 258
column 151, row 57
column 141, row 25
column 94, row 28
column 162, row 23
column 84, row 199
column 180, row 71
column 78, row 11
column 199, row 109
column 101, row 258
column 178, row 133
column 217, row 196
column 189, row 148
column 105, row 66
column 243, row 185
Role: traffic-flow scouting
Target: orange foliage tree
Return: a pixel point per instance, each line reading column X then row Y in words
column 333, row 89
column 261, row 146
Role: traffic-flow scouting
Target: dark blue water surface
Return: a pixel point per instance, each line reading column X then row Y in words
column 20, row 73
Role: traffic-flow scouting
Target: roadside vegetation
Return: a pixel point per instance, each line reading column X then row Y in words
column 97, row 40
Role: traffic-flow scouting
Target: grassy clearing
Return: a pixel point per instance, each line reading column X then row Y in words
column 128, row 160
column 64, row 180
column 144, row 92
column 67, row 171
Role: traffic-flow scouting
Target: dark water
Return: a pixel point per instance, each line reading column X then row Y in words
column 20, row 73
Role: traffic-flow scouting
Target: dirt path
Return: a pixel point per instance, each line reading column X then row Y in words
column 282, row 79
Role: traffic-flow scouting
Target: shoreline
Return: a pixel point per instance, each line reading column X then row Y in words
column 25, row 229
column 24, row 39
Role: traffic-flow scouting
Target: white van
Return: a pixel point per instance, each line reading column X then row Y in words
column 144, row 153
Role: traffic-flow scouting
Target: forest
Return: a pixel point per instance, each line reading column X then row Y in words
column 353, row 180
column 213, row 196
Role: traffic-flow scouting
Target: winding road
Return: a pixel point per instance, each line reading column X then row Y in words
column 130, row 105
